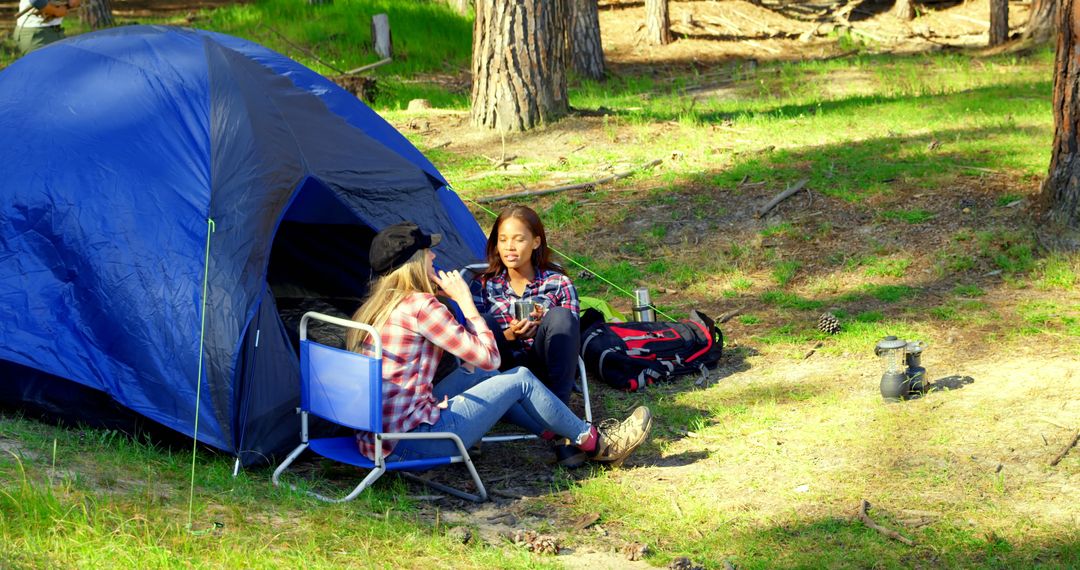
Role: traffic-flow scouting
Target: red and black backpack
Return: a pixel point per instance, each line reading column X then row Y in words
column 630, row 356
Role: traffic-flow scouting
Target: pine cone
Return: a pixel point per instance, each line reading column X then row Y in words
column 828, row 323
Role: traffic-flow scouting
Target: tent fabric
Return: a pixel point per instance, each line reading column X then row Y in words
column 149, row 157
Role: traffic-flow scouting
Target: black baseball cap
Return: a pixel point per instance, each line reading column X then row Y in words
column 395, row 244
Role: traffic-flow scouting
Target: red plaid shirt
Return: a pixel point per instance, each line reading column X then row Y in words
column 419, row 329
column 548, row 288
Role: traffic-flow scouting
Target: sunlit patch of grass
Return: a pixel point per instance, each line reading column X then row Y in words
column 565, row 212
column 787, row 300
column 943, row 312
column 908, row 216
column 889, row 293
column 784, row 271
column 1006, row 199
column 870, row 317
column 824, row 285
column 887, row 267
column 1058, row 272
column 622, row 273
column 783, row 229
column 1010, row 250
column 968, row 291
column 736, row 284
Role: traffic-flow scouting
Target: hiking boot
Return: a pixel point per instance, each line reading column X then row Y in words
column 569, row 456
column 617, row 440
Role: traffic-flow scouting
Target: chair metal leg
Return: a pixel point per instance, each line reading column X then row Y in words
column 462, row 458
column 371, row 477
column 285, row 464
column 585, row 390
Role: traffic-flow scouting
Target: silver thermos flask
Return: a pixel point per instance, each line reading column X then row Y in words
column 643, row 311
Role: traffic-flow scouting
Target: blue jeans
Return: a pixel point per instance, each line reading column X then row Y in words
column 480, row 399
column 553, row 355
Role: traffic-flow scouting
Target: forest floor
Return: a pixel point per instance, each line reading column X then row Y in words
column 789, row 434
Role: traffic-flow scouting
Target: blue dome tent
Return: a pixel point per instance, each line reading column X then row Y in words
column 165, row 192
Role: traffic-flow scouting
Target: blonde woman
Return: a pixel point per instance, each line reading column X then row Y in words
column 416, row 328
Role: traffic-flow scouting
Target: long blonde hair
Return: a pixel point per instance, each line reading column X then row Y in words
column 385, row 294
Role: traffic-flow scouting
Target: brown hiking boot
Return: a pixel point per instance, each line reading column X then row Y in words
column 619, row 439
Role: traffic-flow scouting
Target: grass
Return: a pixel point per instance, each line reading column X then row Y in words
column 103, row 500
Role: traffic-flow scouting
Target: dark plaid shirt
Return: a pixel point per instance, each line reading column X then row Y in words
column 548, row 288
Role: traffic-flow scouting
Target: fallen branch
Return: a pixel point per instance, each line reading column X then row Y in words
column 310, row 53
column 1064, row 452
column 590, row 185
column 782, row 196
column 379, row 63
column 729, row 315
column 812, row 350
column 866, row 520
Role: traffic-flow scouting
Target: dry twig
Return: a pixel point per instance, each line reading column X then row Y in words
column 379, row 63
column 310, row 53
column 812, row 350
column 866, row 520
column 1064, row 452
column 597, row 182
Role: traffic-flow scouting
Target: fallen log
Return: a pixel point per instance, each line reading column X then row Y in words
column 544, row 191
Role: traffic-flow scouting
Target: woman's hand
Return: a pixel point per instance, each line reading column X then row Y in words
column 453, row 285
column 521, row 329
column 457, row 289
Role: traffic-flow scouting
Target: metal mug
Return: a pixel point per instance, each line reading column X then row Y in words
column 522, row 310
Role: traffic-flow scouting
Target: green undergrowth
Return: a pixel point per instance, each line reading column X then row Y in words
column 90, row 498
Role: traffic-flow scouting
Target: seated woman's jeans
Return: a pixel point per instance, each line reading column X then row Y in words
column 480, row 399
column 553, row 356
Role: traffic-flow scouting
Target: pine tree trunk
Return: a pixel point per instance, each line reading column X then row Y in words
column 1061, row 189
column 904, row 9
column 999, row 21
column 518, row 63
column 1042, row 21
column 657, row 22
column 96, row 14
column 587, row 53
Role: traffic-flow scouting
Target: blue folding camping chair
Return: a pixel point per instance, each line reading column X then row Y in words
column 346, row 388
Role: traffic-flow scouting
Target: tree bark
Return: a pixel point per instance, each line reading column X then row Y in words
column 657, row 22
column 96, row 14
column 519, row 63
column 1061, row 189
column 1042, row 21
column 999, row 22
column 904, row 9
column 587, row 52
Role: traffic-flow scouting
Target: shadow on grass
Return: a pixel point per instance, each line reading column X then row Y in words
column 959, row 101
